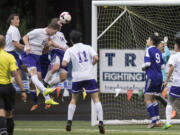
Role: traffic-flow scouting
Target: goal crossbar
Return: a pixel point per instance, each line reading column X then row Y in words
column 136, row 2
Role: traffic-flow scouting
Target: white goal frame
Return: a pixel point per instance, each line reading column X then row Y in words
column 95, row 38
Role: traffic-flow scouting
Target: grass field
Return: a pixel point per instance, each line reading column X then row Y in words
column 84, row 128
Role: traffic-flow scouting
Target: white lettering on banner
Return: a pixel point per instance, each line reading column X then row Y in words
column 123, row 76
column 121, row 69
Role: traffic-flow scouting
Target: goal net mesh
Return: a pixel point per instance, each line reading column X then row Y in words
column 130, row 33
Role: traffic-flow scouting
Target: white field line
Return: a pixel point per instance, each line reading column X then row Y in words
column 96, row 130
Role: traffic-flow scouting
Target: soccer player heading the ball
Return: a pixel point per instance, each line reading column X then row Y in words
column 35, row 41
column 153, row 63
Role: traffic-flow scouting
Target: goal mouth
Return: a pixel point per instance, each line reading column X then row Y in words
column 119, row 33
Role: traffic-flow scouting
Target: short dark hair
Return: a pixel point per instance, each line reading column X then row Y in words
column 155, row 39
column 11, row 17
column 54, row 25
column 2, row 41
column 55, row 20
column 75, row 36
column 177, row 39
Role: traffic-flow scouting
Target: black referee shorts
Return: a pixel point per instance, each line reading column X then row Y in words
column 7, row 97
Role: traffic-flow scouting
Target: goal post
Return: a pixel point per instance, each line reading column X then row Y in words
column 119, row 32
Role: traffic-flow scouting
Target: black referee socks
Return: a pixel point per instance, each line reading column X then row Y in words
column 10, row 126
column 3, row 127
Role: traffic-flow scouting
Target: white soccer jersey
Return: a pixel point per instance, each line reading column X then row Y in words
column 37, row 40
column 12, row 34
column 59, row 39
column 175, row 61
column 81, row 56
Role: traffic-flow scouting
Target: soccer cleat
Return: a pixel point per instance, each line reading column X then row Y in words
column 48, row 91
column 51, row 102
column 34, row 107
column 173, row 114
column 68, row 126
column 152, row 125
column 101, row 128
column 166, row 126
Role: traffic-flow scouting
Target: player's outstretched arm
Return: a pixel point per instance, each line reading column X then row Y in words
column 52, row 43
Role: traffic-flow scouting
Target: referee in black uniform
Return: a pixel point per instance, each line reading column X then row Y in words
column 7, row 92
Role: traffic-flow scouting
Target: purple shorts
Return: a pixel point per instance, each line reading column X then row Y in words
column 153, row 86
column 18, row 60
column 31, row 60
column 89, row 85
column 60, row 54
column 175, row 91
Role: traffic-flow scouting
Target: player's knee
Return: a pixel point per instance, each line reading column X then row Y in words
column 147, row 101
column 95, row 97
column 2, row 113
column 9, row 114
column 73, row 101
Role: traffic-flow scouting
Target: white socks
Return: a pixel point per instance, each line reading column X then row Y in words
column 71, row 110
column 48, row 76
column 38, row 83
column 99, row 111
column 168, row 114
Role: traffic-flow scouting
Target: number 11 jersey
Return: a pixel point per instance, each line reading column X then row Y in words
column 81, row 56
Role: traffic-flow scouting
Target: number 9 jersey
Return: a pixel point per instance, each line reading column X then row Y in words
column 153, row 57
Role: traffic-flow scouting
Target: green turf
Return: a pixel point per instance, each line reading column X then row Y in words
column 84, row 128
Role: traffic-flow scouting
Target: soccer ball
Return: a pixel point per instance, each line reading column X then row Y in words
column 65, row 17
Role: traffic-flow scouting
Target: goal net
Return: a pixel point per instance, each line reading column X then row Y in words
column 119, row 33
